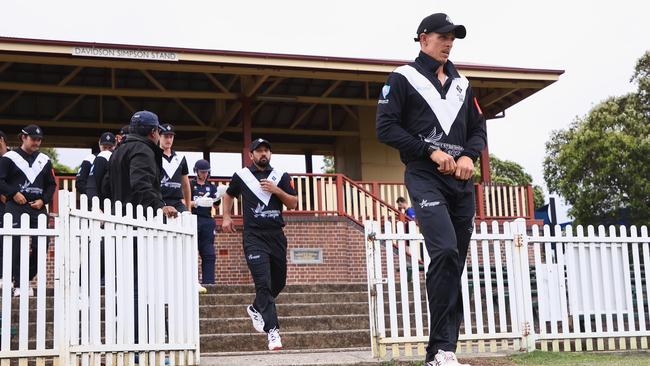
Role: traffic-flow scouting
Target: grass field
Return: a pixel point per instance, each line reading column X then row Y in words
column 539, row 358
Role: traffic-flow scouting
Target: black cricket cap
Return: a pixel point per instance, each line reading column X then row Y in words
column 440, row 23
column 107, row 138
column 32, row 131
column 2, row 135
column 167, row 129
column 257, row 143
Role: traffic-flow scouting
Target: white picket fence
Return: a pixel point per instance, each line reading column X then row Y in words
column 149, row 287
column 522, row 289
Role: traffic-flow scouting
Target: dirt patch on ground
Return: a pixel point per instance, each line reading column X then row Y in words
column 487, row 361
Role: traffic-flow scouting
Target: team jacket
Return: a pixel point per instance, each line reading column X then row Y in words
column 134, row 173
column 81, row 181
column 30, row 175
column 173, row 169
column 261, row 210
column 96, row 174
column 415, row 111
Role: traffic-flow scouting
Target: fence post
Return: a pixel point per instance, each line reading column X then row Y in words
column 523, row 294
column 480, row 202
column 530, row 197
column 62, row 277
column 372, row 292
column 340, row 208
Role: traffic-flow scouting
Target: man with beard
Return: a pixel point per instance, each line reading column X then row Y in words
column 27, row 180
column 264, row 190
column 428, row 112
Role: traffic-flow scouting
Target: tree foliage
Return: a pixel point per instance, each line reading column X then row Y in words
column 54, row 157
column 601, row 163
column 510, row 173
column 328, row 165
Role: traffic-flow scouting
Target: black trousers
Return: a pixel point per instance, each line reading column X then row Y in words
column 266, row 256
column 444, row 208
column 205, row 231
column 17, row 210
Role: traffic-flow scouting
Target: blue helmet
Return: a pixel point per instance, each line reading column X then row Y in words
column 201, row 164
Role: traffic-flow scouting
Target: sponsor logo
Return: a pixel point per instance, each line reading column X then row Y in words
column 253, row 257
column 385, row 90
column 265, row 214
column 382, row 101
column 27, row 188
column 426, row 203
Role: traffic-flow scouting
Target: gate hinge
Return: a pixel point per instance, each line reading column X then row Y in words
column 525, row 331
column 519, row 240
column 372, row 236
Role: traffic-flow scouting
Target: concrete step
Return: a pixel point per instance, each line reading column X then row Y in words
column 322, row 357
column 289, row 310
column 289, row 324
column 290, row 340
column 284, row 298
column 327, row 287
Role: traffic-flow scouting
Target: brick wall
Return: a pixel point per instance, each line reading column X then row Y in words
column 341, row 241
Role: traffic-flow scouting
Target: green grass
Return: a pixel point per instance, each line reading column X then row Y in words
column 539, row 358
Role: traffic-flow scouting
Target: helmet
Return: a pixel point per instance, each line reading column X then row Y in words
column 201, row 164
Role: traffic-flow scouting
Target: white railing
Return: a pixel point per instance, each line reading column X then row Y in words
column 145, row 307
column 522, row 290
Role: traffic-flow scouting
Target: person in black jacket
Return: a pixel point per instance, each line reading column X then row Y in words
column 27, row 180
column 427, row 111
column 134, row 168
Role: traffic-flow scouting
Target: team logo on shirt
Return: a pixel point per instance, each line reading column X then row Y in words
column 384, row 94
column 426, row 203
column 27, row 188
column 265, row 214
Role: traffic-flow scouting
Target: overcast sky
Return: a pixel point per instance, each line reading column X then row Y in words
column 596, row 42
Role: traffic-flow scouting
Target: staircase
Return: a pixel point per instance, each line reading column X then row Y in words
column 325, row 316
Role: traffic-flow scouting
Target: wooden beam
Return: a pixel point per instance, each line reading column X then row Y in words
column 287, row 131
column 259, row 105
column 5, row 66
column 123, row 92
column 70, row 76
column 85, row 125
column 189, row 111
column 68, row 107
column 112, row 78
column 255, row 86
column 350, row 112
column 351, row 75
column 153, row 80
column 216, row 82
column 495, row 96
column 126, row 104
column 10, row 100
column 302, row 116
column 232, row 82
column 232, row 113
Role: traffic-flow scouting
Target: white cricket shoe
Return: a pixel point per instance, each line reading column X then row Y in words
column 275, row 343
column 443, row 358
column 256, row 317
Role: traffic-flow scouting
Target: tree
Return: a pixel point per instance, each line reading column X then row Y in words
column 54, row 157
column 601, row 163
column 510, row 173
column 328, row 165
